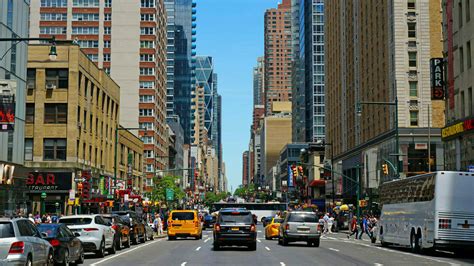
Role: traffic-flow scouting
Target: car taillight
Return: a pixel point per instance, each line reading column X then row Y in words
column 287, row 227
column 54, row 242
column 217, row 227
column 444, row 224
column 17, row 248
column 196, row 223
column 90, row 229
column 252, row 228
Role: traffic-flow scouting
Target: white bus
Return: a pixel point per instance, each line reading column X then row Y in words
column 434, row 210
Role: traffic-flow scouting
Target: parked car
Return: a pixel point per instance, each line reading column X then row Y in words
column 149, row 231
column 136, row 224
column 67, row 246
column 300, row 226
column 96, row 234
column 184, row 223
column 235, row 227
column 22, row 244
column 266, row 220
column 122, row 230
column 209, row 221
column 272, row 229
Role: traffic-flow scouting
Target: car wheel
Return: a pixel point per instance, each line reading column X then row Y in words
column 50, row 259
column 309, row 243
column 279, row 241
column 171, row 238
column 127, row 244
column 112, row 249
column 317, row 242
column 81, row 257
column 414, row 242
column 267, row 238
column 143, row 240
column 29, row 261
column 151, row 237
column 284, row 241
column 253, row 246
column 66, row 258
column 135, row 239
column 101, row 252
column 119, row 243
column 216, row 246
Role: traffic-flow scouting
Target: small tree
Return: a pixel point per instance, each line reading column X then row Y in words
column 161, row 184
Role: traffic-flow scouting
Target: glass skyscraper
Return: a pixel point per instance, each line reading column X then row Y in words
column 181, row 61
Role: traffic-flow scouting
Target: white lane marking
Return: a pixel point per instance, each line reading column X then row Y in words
column 259, row 231
column 378, row 264
column 125, row 252
column 184, row 263
column 259, row 241
column 282, row 263
column 333, row 249
column 198, row 248
column 207, row 240
column 267, row 248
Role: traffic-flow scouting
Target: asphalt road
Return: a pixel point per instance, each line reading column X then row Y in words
column 335, row 249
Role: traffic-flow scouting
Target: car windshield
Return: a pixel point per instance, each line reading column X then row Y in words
column 303, row 218
column 51, row 230
column 236, row 217
column 6, row 230
column 75, row 221
column 182, row 216
column 276, row 221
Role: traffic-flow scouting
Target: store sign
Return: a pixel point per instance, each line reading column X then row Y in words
column 290, row 177
column 49, row 181
column 421, row 146
column 86, row 185
column 458, row 128
column 437, row 81
column 6, row 174
column 7, row 116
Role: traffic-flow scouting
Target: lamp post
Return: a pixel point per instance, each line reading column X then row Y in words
column 52, row 51
column 397, row 136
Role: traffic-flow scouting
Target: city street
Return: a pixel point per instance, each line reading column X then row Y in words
column 335, row 249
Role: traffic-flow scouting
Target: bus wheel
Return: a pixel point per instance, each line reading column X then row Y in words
column 414, row 242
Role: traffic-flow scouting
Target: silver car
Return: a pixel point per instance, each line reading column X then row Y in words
column 22, row 244
column 300, row 226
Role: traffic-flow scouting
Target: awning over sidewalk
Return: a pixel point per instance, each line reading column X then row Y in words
column 317, row 183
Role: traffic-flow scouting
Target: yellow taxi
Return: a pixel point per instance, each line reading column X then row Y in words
column 272, row 229
column 184, row 223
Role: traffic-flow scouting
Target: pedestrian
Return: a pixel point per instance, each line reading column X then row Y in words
column 30, row 217
column 330, row 224
column 48, row 218
column 364, row 227
column 354, row 228
column 326, row 223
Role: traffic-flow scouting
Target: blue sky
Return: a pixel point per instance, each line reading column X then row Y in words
column 231, row 31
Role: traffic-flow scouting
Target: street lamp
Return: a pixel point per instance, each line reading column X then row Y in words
column 52, row 50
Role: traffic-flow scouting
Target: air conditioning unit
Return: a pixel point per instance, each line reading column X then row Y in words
column 50, row 86
column 31, row 86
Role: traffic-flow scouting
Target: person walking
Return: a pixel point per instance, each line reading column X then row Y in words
column 364, row 227
column 354, row 228
column 326, row 223
column 330, row 224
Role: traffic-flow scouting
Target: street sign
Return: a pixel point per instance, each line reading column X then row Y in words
column 72, row 194
column 43, row 195
column 79, row 179
column 470, row 168
column 169, row 194
column 110, row 196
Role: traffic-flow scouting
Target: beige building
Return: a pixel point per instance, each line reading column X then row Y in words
column 275, row 133
column 380, row 51
column 71, row 116
column 128, row 40
column 130, row 162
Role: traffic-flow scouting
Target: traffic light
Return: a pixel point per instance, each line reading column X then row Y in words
column 295, row 171
column 362, row 203
column 385, row 169
column 79, row 189
column 300, row 169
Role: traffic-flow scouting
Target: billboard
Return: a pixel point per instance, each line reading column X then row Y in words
column 7, row 116
column 49, row 182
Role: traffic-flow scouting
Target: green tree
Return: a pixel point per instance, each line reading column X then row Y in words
column 161, row 184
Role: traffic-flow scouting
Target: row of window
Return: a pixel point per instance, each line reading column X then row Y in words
column 468, row 57
column 54, row 113
column 75, row 3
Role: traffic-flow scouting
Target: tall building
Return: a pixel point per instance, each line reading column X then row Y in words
column 128, row 40
column 277, row 65
column 458, row 135
column 380, row 51
column 245, row 168
column 308, row 71
column 181, row 62
column 259, row 82
column 13, row 56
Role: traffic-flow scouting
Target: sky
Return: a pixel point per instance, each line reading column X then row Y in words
column 231, row 31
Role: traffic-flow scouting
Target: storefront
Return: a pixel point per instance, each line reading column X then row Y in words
column 13, row 198
column 458, row 141
column 55, row 185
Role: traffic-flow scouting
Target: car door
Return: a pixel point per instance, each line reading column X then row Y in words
column 43, row 244
column 73, row 243
column 28, row 236
column 108, row 230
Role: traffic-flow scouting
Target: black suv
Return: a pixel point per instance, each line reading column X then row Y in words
column 135, row 222
column 235, row 227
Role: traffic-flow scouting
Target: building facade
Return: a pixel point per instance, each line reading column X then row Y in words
column 374, row 57
column 458, row 135
column 259, row 82
column 13, row 57
column 245, row 168
column 127, row 40
column 277, row 65
column 181, row 62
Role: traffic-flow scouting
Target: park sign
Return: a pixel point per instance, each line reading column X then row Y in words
column 437, row 80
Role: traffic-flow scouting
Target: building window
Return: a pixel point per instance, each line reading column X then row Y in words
column 147, row 84
column 470, row 103
column 55, row 113
column 413, row 88
column 85, row 3
column 107, row 30
column 411, row 30
column 148, row 154
column 147, row 3
column 461, row 59
column 149, row 168
column 146, row 112
column 88, row 44
column 469, row 59
column 31, row 78
column 107, row 17
column 412, row 59
column 106, row 57
column 85, row 30
column 147, row 126
column 148, row 140
column 463, row 105
column 30, row 113
column 28, row 149
column 52, row 30
column 468, row 10
column 147, row 98
column 147, row 57
column 147, row 71
column 413, row 118
column 460, row 14
column 85, row 17
column 106, row 44
column 54, row 149
column 147, row 17
column 411, row 4
column 57, row 78
column 147, row 31
column 108, row 3
column 147, row 44
column 53, row 3
column 53, row 17
column 93, row 57
column 107, row 70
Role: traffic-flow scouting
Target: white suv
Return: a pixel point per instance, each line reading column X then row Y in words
column 96, row 234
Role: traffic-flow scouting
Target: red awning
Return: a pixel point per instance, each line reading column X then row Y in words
column 317, row 183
